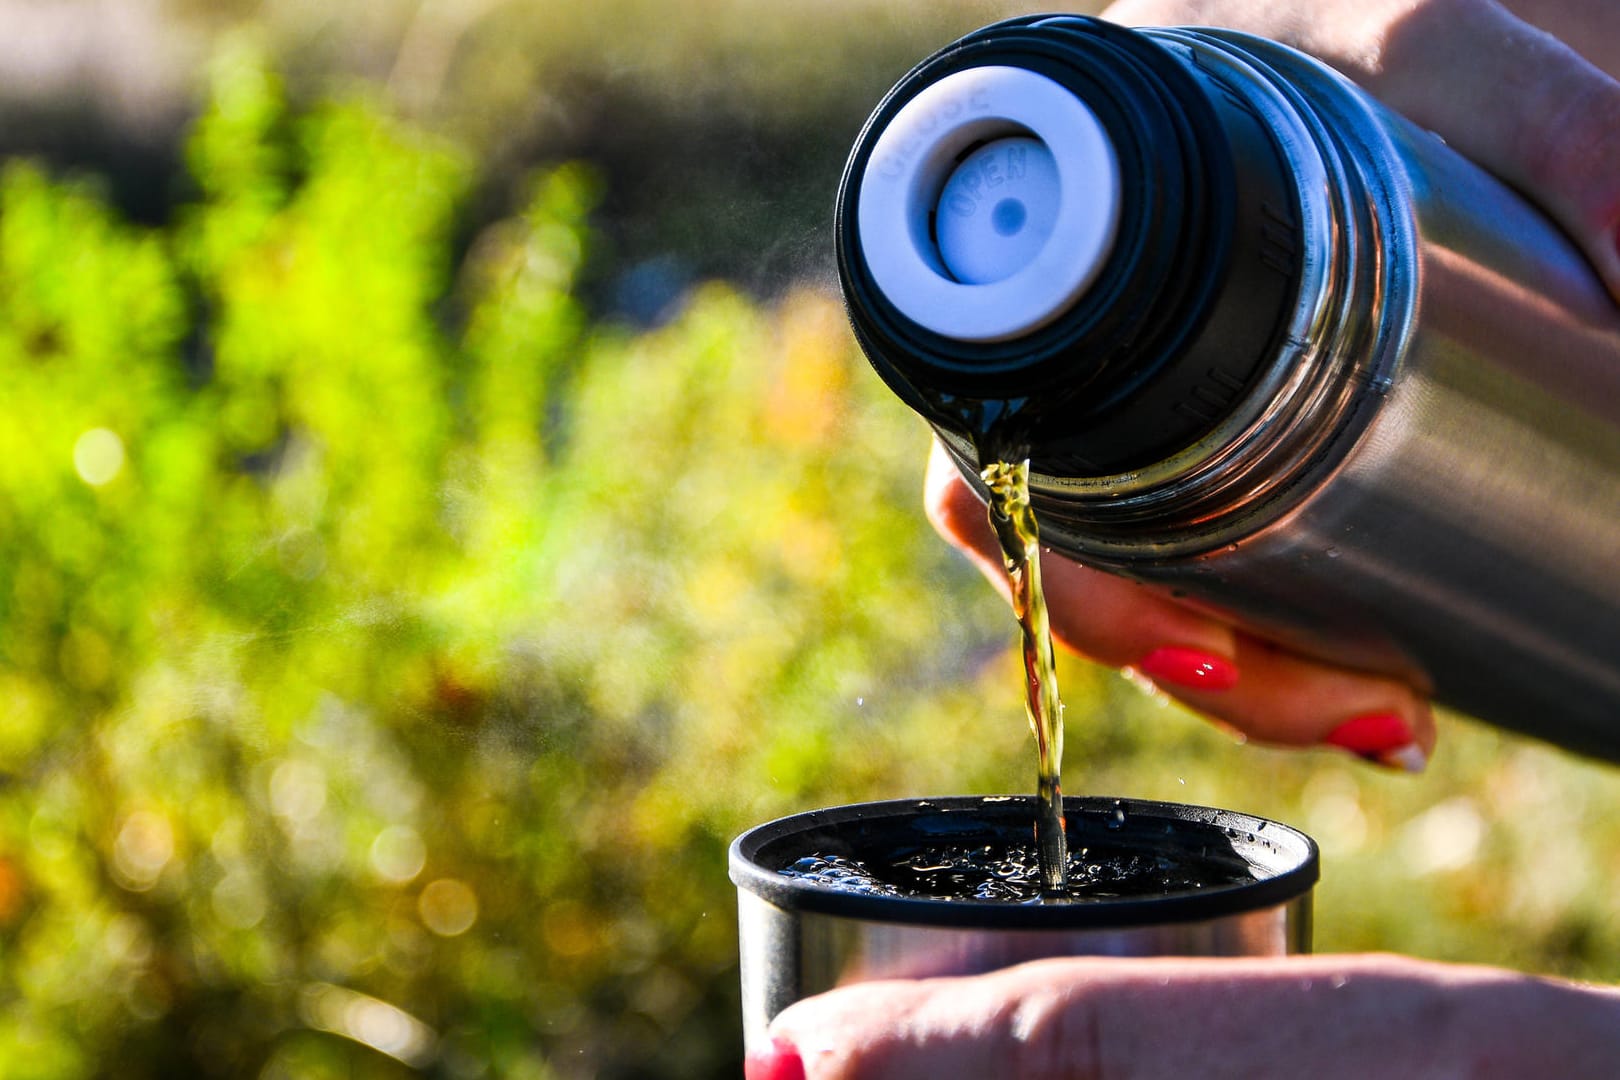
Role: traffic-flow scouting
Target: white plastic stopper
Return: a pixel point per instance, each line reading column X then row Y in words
column 997, row 210
column 989, row 204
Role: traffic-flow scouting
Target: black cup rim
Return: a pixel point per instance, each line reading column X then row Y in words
column 1284, row 860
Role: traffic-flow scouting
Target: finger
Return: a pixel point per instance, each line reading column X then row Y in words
column 1285, row 699
column 1520, row 102
column 1325, row 1017
column 1511, row 96
column 1262, row 691
column 1591, row 27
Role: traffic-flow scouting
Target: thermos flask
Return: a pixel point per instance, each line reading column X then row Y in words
column 1267, row 345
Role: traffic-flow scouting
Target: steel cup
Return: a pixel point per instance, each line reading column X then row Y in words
column 800, row 937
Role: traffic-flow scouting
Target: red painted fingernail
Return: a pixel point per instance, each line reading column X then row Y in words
column 780, row 1062
column 1192, row 669
column 1385, row 738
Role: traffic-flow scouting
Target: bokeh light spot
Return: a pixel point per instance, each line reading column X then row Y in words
column 569, row 930
column 144, row 847
column 238, row 901
column 448, row 907
column 369, row 1021
column 298, row 790
column 398, row 854
column 1445, row 837
column 127, row 939
column 98, row 456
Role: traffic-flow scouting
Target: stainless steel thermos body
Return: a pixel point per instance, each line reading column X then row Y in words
column 1268, row 346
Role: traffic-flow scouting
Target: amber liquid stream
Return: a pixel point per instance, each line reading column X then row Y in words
column 1014, row 524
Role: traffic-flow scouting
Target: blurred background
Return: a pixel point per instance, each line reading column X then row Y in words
column 441, row 505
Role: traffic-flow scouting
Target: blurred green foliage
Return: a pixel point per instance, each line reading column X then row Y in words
column 389, row 649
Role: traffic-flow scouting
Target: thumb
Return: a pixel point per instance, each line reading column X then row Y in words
column 1517, row 100
column 1521, row 103
column 1326, row 1017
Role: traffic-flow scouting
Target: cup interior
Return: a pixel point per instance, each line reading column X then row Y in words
column 1225, row 862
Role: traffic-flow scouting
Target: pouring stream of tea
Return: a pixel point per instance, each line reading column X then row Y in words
column 1014, row 523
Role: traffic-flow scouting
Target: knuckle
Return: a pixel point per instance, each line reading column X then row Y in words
column 1572, row 150
column 1055, row 1035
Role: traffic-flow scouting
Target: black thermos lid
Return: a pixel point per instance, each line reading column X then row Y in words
column 1056, row 237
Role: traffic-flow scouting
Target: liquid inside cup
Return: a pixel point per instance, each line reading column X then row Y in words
column 1013, row 874
column 1129, row 862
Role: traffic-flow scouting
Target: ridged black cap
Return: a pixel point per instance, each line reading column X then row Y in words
column 1180, row 318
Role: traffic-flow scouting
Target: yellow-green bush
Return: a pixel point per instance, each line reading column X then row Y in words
column 388, row 652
